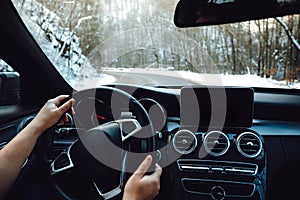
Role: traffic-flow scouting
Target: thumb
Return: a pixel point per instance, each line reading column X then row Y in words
column 157, row 172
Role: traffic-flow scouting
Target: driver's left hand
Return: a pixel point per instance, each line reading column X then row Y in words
column 51, row 113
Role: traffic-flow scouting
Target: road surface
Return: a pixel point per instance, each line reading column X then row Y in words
column 150, row 78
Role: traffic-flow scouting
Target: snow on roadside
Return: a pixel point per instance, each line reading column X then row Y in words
column 213, row 79
column 237, row 80
column 76, row 69
column 96, row 81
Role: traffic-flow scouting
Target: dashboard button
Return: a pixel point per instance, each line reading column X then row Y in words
column 217, row 193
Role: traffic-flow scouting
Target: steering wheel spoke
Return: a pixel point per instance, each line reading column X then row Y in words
column 129, row 127
column 62, row 163
column 109, row 194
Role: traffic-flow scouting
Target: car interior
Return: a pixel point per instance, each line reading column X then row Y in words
column 213, row 142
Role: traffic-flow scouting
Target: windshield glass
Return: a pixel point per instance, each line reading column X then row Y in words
column 98, row 42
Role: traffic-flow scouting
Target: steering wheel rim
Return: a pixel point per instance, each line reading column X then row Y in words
column 133, row 144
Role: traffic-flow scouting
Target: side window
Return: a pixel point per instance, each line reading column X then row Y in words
column 9, row 85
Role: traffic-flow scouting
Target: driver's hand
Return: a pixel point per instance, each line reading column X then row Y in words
column 141, row 186
column 51, row 113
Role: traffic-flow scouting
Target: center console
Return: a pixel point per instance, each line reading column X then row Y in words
column 217, row 155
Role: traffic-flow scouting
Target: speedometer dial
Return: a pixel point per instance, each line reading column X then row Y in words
column 156, row 112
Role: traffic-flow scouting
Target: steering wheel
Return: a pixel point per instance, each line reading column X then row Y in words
column 98, row 164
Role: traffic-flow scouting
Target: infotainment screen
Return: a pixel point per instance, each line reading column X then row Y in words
column 216, row 106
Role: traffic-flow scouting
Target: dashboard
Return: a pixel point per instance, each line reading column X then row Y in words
column 244, row 159
column 201, row 160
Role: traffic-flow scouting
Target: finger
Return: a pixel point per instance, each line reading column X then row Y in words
column 66, row 106
column 65, row 118
column 59, row 98
column 72, row 110
column 144, row 166
column 61, row 121
column 157, row 172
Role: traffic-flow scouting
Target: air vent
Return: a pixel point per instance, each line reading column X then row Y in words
column 184, row 141
column 216, row 143
column 249, row 144
column 25, row 122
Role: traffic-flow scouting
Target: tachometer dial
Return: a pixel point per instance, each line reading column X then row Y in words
column 92, row 112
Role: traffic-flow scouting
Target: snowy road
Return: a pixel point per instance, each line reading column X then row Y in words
column 180, row 78
column 149, row 79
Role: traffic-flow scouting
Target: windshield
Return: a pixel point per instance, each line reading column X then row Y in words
column 98, row 42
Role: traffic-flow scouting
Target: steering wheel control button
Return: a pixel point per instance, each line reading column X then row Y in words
column 217, row 193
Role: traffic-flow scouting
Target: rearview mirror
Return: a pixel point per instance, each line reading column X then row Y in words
column 9, row 88
column 191, row 13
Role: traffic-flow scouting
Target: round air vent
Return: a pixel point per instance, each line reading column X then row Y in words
column 184, row 141
column 249, row 144
column 216, row 143
column 25, row 122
